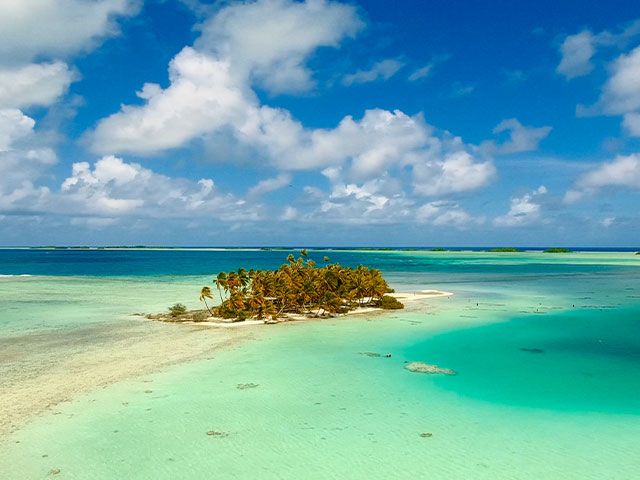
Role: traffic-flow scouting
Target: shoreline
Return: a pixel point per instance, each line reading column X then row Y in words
column 213, row 321
column 106, row 354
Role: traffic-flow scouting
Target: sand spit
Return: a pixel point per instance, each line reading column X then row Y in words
column 41, row 370
column 420, row 295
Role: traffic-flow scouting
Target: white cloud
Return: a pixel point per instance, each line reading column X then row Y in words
column 524, row 210
column 521, row 138
column 270, row 40
column 34, row 84
column 202, row 98
column 621, row 93
column 56, row 28
column 116, row 188
column 455, row 172
column 631, row 123
column 269, row 185
column 22, row 162
column 14, row 125
column 420, row 73
column 623, row 171
column 446, row 214
column 576, row 52
column 377, row 201
column 210, row 94
column 382, row 70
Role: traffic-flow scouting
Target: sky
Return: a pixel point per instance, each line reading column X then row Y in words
column 320, row 123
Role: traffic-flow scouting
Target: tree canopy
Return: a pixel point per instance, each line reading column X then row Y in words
column 299, row 287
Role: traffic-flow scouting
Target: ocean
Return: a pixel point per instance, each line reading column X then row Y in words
column 546, row 348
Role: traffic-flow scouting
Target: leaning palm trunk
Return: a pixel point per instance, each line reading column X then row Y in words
column 207, row 305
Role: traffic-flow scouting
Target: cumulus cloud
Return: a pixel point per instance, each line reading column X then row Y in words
column 382, row 70
column 455, row 172
column 621, row 92
column 521, row 138
column 14, row 125
column 210, row 93
column 34, row 84
column 30, row 30
column 113, row 187
column 378, row 201
column 56, row 28
column 524, row 210
column 22, row 163
column 202, row 98
column 622, row 172
column 269, row 41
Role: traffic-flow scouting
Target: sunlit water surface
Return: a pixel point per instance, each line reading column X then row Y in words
column 546, row 347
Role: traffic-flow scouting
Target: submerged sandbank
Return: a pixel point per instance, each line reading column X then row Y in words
column 41, row 370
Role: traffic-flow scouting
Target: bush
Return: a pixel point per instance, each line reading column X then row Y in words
column 388, row 302
column 177, row 310
column 200, row 316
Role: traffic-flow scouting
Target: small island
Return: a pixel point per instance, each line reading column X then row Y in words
column 297, row 289
column 504, row 250
column 557, row 250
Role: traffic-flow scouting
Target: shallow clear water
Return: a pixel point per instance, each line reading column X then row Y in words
column 547, row 350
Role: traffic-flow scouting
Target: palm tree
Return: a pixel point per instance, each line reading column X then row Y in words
column 204, row 294
column 221, row 284
column 298, row 286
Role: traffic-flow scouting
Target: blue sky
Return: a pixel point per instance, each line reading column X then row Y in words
column 317, row 122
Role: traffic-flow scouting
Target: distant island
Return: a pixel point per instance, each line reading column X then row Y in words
column 298, row 288
column 557, row 250
column 504, row 250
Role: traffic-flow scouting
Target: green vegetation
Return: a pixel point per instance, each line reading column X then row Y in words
column 439, row 249
column 388, row 302
column 177, row 310
column 504, row 250
column 557, row 250
column 298, row 287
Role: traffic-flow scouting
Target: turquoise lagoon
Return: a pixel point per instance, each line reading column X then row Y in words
column 546, row 346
